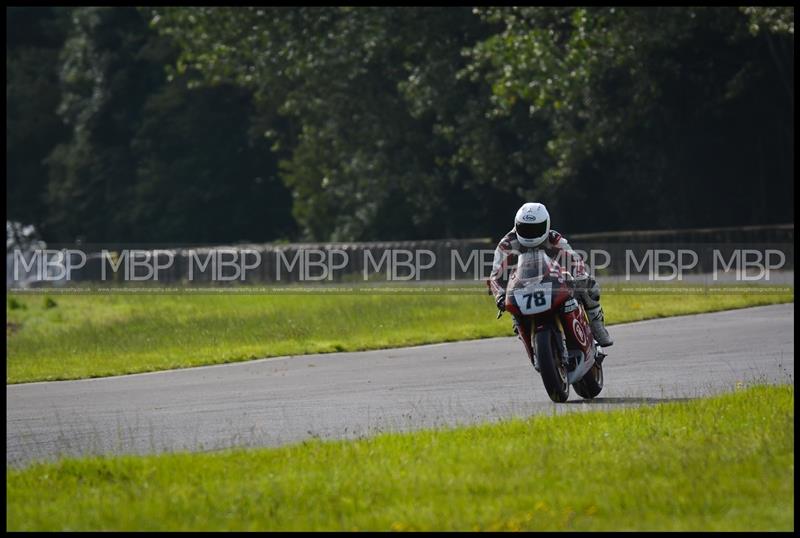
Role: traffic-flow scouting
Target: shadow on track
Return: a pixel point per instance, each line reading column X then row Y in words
column 629, row 400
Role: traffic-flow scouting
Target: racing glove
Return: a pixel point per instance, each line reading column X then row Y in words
column 501, row 302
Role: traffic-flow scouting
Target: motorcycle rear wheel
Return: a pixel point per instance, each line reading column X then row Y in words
column 551, row 368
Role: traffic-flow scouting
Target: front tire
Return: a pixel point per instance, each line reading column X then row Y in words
column 551, row 368
column 590, row 384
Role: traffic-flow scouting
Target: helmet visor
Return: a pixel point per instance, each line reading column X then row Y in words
column 531, row 230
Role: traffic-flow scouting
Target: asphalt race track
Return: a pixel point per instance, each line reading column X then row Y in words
column 346, row 395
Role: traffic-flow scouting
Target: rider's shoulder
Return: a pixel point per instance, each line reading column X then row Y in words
column 554, row 238
column 509, row 241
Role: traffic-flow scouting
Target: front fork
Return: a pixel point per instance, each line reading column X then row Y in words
column 525, row 326
column 524, row 334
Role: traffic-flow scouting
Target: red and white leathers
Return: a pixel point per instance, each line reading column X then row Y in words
column 557, row 247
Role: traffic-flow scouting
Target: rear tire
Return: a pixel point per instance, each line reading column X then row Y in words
column 590, row 384
column 552, row 370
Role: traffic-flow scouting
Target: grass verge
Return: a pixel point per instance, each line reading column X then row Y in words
column 80, row 336
column 722, row 463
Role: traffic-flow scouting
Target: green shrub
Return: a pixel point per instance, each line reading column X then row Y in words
column 14, row 304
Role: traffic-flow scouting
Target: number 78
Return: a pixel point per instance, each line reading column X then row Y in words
column 538, row 298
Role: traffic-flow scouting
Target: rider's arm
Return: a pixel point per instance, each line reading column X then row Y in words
column 502, row 258
column 572, row 259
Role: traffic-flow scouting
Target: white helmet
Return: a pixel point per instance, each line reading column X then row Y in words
column 532, row 224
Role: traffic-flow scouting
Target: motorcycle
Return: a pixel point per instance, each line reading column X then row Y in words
column 553, row 327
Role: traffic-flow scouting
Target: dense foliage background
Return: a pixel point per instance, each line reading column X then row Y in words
column 330, row 123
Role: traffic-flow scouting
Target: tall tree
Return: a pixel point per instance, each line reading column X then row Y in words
column 372, row 106
column 150, row 159
column 395, row 123
column 34, row 37
column 661, row 117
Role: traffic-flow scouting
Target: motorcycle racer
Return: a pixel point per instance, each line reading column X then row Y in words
column 531, row 231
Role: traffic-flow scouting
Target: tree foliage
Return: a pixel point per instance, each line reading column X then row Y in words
column 213, row 123
column 660, row 116
column 142, row 158
column 359, row 90
column 33, row 40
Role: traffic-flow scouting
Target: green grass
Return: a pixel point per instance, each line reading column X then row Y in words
column 722, row 463
column 79, row 336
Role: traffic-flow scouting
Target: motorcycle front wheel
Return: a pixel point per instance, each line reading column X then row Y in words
column 590, row 384
column 551, row 368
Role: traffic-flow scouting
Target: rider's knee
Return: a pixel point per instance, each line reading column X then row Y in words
column 589, row 292
column 594, row 290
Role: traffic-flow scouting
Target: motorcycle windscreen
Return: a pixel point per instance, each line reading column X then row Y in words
column 531, row 294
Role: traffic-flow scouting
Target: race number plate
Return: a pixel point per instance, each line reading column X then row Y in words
column 535, row 298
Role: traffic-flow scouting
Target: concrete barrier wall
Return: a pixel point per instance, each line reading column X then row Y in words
column 278, row 257
column 703, row 241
